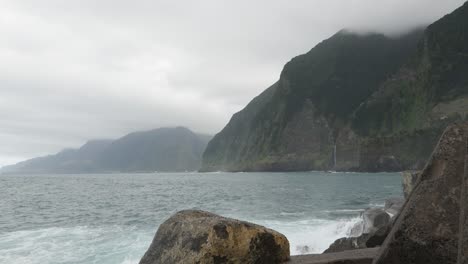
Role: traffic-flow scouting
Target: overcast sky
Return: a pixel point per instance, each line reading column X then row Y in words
column 83, row 69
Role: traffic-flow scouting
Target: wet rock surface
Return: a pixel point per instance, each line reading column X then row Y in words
column 368, row 240
column 200, row 237
column 374, row 228
column 348, row 243
column 374, row 219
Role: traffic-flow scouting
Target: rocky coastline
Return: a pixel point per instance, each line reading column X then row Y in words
column 426, row 227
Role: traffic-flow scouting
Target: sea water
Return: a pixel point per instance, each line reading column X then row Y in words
column 112, row 218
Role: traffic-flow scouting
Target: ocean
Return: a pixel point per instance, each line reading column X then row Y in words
column 112, row 218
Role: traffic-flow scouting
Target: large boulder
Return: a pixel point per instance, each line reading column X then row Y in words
column 432, row 227
column 204, row 238
column 371, row 232
column 348, row 243
column 377, row 238
column 366, row 240
column 374, row 219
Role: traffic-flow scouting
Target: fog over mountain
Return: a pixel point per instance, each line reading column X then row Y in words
column 162, row 149
column 75, row 70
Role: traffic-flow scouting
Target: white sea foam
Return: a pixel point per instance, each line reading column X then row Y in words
column 313, row 236
column 377, row 205
column 118, row 245
column 292, row 213
column 344, row 211
column 74, row 245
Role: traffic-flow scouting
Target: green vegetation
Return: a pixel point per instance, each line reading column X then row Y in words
column 371, row 95
column 435, row 75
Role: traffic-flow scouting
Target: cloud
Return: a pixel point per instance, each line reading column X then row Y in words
column 77, row 70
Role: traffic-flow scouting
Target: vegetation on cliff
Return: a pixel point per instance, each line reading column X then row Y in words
column 354, row 102
column 431, row 87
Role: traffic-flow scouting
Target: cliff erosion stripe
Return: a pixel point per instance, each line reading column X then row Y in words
column 461, row 258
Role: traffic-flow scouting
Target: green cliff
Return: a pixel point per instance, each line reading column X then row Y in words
column 354, row 102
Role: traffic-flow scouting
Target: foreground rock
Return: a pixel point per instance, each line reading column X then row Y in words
column 200, row 237
column 360, row 256
column 432, row 227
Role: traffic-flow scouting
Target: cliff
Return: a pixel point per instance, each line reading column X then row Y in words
column 163, row 149
column 354, row 102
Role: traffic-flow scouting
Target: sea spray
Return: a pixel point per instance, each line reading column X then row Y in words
column 111, row 219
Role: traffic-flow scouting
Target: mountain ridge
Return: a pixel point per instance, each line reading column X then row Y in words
column 342, row 99
column 161, row 149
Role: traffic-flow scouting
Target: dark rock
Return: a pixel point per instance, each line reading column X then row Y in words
column 374, row 219
column 377, row 238
column 372, row 230
column 200, row 237
column 369, row 240
column 348, row 243
column 432, row 226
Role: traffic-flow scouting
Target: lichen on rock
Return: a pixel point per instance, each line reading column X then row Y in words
column 193, row 236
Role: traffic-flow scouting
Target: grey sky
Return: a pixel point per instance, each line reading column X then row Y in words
column 77, row 70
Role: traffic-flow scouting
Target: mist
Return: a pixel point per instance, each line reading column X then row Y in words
column 71, row 71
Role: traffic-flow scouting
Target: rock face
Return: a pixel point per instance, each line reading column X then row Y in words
column 409, row 179
column 374, row 219
column 201, row 237
column 432, row 227
column 300, row 121
column 354, row 102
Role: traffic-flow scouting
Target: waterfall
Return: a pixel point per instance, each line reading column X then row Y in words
column 334, row 156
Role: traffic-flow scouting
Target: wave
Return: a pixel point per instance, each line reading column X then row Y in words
column 292, row 213
column 344, row 211
column 81, row 244
column 308, row 236
column 377, row 205
column 126, row 244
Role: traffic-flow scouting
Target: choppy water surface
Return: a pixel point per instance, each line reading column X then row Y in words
column 111, row 218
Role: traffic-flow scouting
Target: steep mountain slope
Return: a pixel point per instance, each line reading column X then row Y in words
column 164, row 149
column 431, row 87
column 354, row 102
